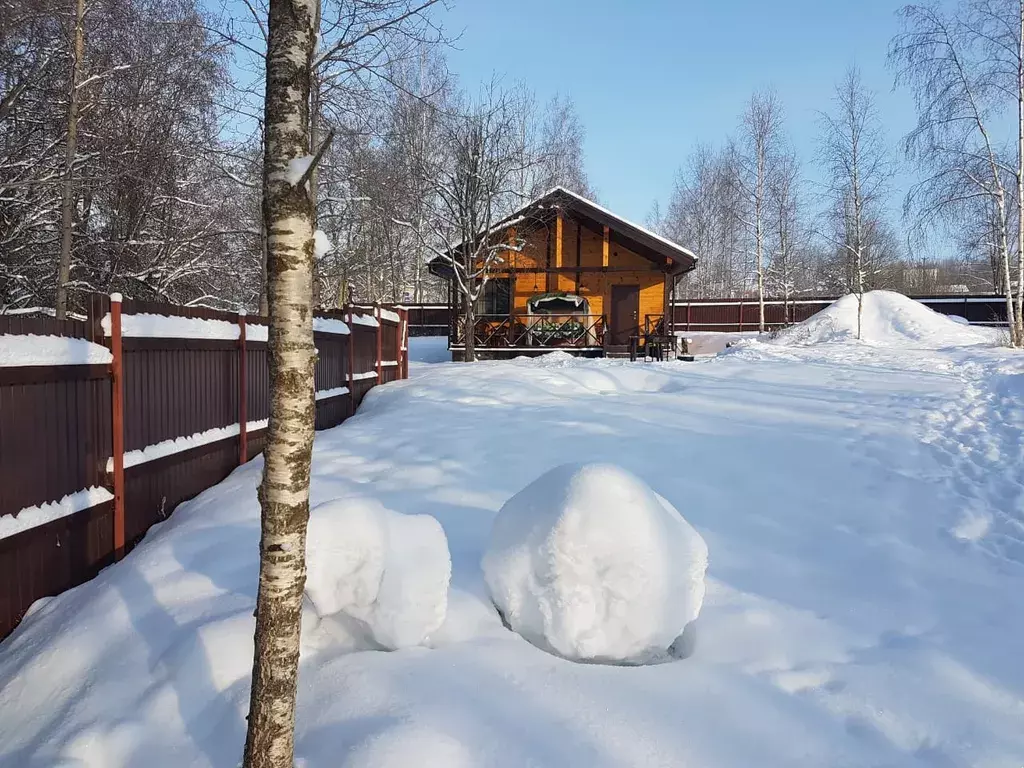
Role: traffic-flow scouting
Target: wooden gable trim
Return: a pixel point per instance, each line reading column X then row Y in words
column 558, row 239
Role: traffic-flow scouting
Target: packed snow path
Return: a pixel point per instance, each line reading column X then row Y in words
column 862, row 511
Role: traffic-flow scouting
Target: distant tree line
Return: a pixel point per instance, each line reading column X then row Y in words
column 131, row 158
column 131, row 150
column 761, row 228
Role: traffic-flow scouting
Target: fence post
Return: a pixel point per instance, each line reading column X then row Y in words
column 740, row 325
column 380, row 334
column 351, row 361
column 117, row 421
column 688, row 305
column 243, row 392
column 403, row 344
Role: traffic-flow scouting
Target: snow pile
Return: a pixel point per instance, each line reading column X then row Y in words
column 887, row 319
column 368, row 320
column 31, row 517
column 591, row 564
column 387, row 571
column 147, row 325
column 330, row 325
column 297, row 168
column 18, row 350
column 322, row 244
column 187, row 443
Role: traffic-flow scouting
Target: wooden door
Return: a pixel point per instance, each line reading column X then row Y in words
column 625, row 315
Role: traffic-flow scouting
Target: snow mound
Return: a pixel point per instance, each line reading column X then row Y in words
column 888, row 319
column 387, row 571
column 589, row 563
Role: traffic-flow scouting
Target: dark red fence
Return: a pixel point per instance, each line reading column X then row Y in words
column 184, row 373
column 737, row 315
column 427, row 319
column 732, row 315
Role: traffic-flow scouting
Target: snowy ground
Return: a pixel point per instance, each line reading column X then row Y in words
column 863, row 509
column 428, row 349
column 712, row 342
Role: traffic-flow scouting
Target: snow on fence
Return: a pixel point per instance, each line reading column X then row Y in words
column 108, row 423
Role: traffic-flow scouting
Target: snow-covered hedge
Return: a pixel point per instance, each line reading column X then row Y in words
column 387, row 571
column 589, row 563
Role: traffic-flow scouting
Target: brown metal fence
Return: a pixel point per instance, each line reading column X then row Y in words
column 428, row 319
column 732, row 315
column 58, row 425
column 737, row 315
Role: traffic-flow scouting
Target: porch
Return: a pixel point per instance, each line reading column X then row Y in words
column 584, row 335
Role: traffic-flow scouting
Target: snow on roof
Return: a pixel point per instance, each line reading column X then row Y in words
column 627, row 222
column 518, row 217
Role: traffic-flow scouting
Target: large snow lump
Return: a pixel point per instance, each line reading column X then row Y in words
column 589, row 563
column 888, row 319
column 387, row 571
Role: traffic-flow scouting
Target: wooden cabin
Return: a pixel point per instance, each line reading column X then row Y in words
column 580, row 279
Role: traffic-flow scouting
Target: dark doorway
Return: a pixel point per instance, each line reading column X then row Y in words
column 625, row 314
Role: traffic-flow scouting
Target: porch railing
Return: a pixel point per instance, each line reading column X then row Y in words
column 544, row 331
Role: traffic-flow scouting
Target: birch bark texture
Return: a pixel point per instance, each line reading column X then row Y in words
column 284, row 491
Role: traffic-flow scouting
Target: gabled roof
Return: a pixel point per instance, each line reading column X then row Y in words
column 677, row 259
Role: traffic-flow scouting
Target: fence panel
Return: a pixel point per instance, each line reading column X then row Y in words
column 56, row 429
column 428, row 319
column 51, row 558
column 733, row 315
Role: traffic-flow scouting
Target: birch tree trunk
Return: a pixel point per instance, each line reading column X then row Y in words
column 67, row 192
column 470, row 332
column 1017, row 328
column 284, row 492
column 759, row 237
column 264, row 299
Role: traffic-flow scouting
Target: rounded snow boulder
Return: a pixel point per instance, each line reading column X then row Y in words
column 387, row 571
column 589, row 563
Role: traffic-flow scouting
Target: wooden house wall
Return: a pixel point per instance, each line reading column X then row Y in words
column 595, row 286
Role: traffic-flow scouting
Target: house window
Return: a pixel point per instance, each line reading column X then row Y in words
column 496, row 298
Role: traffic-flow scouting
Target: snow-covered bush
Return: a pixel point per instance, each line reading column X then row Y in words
column 387, row 571
column 589, row 563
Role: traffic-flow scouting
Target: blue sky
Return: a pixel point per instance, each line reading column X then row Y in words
column 652, row 78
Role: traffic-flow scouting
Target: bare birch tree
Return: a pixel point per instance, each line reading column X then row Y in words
column 956, row 89
column 704, row 213
column 997, row 27
column 284, row 492
column 761, row 138
column 67, row 200
column 473, row 180
column 853, row 153
column 785, row 265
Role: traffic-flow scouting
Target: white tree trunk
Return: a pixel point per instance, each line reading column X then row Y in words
column 1017, row 325
column 67, row 192
column 284, row 492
